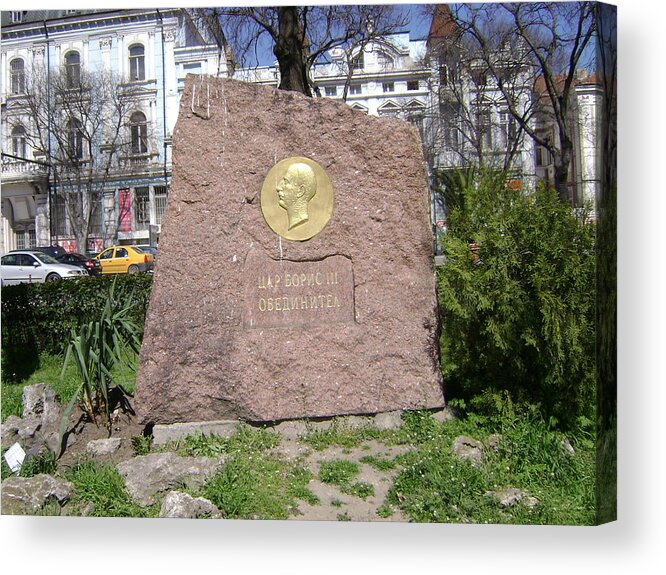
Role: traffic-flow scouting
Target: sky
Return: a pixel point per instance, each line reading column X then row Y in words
column 418, row 27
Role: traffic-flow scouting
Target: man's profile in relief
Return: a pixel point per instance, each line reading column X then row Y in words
column 295, row 190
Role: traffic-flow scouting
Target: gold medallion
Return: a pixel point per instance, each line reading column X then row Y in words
column 297, row 198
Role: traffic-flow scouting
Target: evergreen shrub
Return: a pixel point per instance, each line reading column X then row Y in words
column 38, row 318
column 517, row 297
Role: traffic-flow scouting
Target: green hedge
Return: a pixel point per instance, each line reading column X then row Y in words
column 37, row 318
column 517, row 297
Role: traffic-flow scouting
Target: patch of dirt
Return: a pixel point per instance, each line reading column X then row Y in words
column 82, row 431
column 334, row 505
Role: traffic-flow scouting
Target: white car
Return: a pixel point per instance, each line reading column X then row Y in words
column 27, row 266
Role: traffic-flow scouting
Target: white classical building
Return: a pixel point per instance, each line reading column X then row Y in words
column 472, row 125
column 150, row 51
column 388, row 78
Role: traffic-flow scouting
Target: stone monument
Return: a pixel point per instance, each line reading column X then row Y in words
column 295, row 275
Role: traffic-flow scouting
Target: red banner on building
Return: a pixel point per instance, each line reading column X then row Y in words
column 124, row 210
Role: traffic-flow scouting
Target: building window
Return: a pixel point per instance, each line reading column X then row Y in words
column 358, row 61
column 141, row 207
column 59, row 210
column 16, row 16
column 388, row 87
column 17, row 72
column 414, row 114
column 139, row 133
column 137, row 63
column 160, row 195
column 447, row 74
column 443, row 74
column 389, row 109
column 384, row 60
column 355, row 89
column 74, row 140
column 542, row 157
column 413, row 85
column 451, row 136
column 20, row 239
column 18, row 141
column 331, row 91
column 508, row 128
column 484, row 129
column 96, row 214
column 32, row 238
column 73, row 69
column 480, row 77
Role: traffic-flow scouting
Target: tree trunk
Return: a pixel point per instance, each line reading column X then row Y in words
column 561, row 165
column 289, row 50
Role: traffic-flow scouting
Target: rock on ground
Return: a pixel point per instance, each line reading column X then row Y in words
column 147, row 476
column 468, row 449
column 182, row 505
column 40, row 400
column 38, row 426
column 28, row 495
column 103, row 446
column 511, row 496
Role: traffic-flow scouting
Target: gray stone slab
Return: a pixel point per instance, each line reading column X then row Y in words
column 163, row 433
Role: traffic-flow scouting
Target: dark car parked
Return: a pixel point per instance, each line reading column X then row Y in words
column 93, row 267
column 53, row 251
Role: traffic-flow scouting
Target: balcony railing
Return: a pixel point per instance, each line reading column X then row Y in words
column 136, row 160
column 16, row 168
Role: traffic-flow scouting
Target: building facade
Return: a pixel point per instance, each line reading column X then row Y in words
column 64, row 183
column 67, row 146
column 71, row 178
column 474, row 118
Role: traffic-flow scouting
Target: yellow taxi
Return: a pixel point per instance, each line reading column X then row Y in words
column 125, row 260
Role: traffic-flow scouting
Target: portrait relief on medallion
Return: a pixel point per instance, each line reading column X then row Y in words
column 297, row 198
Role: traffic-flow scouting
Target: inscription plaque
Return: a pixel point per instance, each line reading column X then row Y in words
column 297, row 198
column 291, row 293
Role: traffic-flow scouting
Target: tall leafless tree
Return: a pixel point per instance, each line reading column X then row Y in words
column 77, row 121
column 472, row 119
column 553, row 40
column 301, row 36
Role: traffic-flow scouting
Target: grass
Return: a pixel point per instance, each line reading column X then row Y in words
column 430, row 483
column 101, row 488
column 258, row 486
column 379, row 463
column 32, row 465
column 245, row 440
column 359, row 489
column 436, row 486
column 252, row 484
column 48, row 371
column 338, row 471
column 142, row 444
column 345, row 437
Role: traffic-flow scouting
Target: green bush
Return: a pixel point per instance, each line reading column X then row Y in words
column 97, row 349
column 517, row 297
column 38, row 318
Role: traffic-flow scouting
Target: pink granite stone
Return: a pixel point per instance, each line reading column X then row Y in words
column 351, row 325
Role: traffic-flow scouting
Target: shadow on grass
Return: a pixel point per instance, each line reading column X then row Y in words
column 20, row 358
